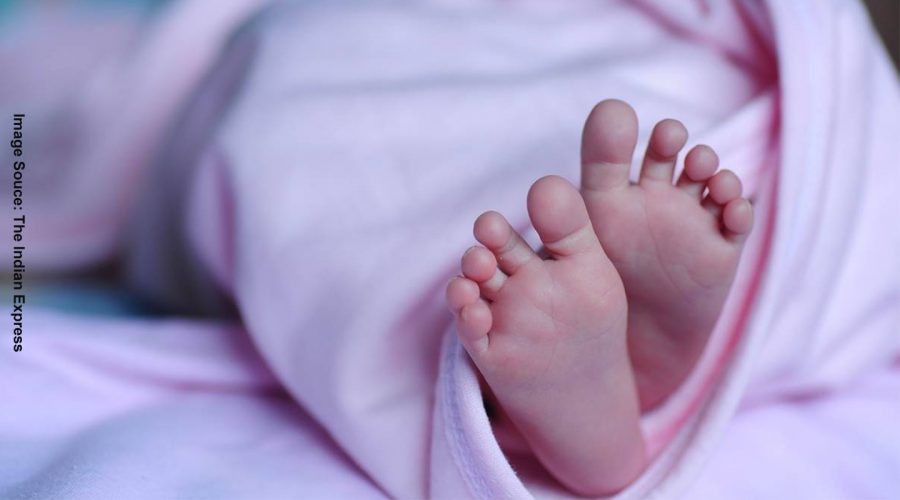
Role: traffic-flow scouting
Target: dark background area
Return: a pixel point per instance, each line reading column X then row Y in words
column 886, row 16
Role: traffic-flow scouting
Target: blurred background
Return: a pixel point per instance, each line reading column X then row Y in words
column 886, row 16
column 71, row 44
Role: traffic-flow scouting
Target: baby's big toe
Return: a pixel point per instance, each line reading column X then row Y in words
column 558, row 214
column 607, row 146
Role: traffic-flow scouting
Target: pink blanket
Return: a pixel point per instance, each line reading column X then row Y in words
column 324, row 177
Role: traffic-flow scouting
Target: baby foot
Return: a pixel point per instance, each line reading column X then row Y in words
column 549, row 338
column 676, row 246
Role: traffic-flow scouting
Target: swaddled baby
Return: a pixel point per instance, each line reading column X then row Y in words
column 576, row 343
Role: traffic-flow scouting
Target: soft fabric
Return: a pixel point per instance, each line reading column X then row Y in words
column 100, row 86
column 324, row 180
column 115, row 408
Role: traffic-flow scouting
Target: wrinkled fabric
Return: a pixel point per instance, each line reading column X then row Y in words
column 324, row 176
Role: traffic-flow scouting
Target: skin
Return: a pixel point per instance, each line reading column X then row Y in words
column 533, row 326
column 572, row 346
column 675, row 245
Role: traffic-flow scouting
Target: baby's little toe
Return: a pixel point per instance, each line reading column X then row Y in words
column 737, row 219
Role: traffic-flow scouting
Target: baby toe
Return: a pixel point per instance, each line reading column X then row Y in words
column 473, row 323
column 700, row 164
column 723, row 187
column 737, row 219
column 607, row 145
column 512, row 252
column 666, row 141
column 478, row 264
column 460, row 293
column 559, row 215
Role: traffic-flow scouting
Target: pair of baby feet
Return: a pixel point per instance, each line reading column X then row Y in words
column 575, row 344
